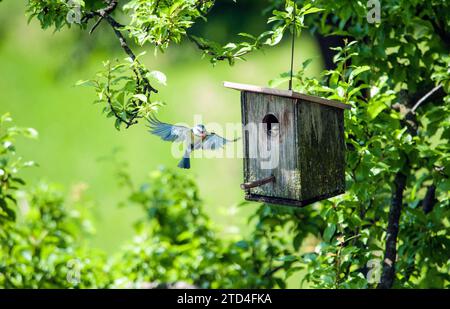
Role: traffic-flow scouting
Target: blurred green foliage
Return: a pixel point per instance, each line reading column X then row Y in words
column 158, row 23
column 74, row 134
column 175, row 242
column 178, row 243
column 36, row 246
column 10, row 164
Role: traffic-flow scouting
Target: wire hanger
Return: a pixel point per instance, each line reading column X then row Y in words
column 292, row 48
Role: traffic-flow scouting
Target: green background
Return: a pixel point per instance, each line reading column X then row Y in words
column 38, row 70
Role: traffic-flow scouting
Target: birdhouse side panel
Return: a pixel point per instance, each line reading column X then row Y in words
column 271, row 154
column 321, row 149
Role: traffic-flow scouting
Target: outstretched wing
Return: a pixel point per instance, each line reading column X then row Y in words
column 168, row 132
column 214, row 141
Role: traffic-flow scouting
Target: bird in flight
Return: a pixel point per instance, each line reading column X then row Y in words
column 194, row 138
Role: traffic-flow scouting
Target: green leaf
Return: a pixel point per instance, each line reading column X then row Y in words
column 375, row 108
column 87, row 83
column 312, row 10
column 141, row 97
column 358, row 71
column 246, row 35
column 160, row 77
column 117, row 124
column 287, row 258
column 11, row 214
column 329, row 232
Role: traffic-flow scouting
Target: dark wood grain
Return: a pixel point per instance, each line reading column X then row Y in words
column 321, row 148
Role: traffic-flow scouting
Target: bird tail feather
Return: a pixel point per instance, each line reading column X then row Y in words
column 185, row 163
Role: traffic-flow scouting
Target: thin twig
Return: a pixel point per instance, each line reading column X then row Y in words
column 108, row 98
column 292, row 50
column 425, row 97
column 95, row 25
column 207, row 49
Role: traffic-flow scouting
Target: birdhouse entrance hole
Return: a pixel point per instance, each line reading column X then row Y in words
column 269, row 120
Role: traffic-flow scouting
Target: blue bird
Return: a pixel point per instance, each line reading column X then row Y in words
column 194, row 138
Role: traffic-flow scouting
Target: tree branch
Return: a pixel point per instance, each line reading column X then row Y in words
column 388, row 275
column 205, row 48
column 104, row 14
column 390, row 254
column 425, row 97
column 430, row 199
column 140, row 72
column 123, row 43
column 111, row 5
column 95, row 25
column 272, row 271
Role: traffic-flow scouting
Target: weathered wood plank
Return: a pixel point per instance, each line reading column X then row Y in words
column 290, row 202
column 277, row 155
column 286, row 93
column 245, row 136
column 321, row 148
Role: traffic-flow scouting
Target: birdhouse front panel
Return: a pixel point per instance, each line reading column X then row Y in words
column 294, row 152
column 269, row 135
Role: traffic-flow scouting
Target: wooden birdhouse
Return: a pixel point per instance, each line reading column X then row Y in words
column 293, row 146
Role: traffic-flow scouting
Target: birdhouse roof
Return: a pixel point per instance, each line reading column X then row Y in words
column 286, row 93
